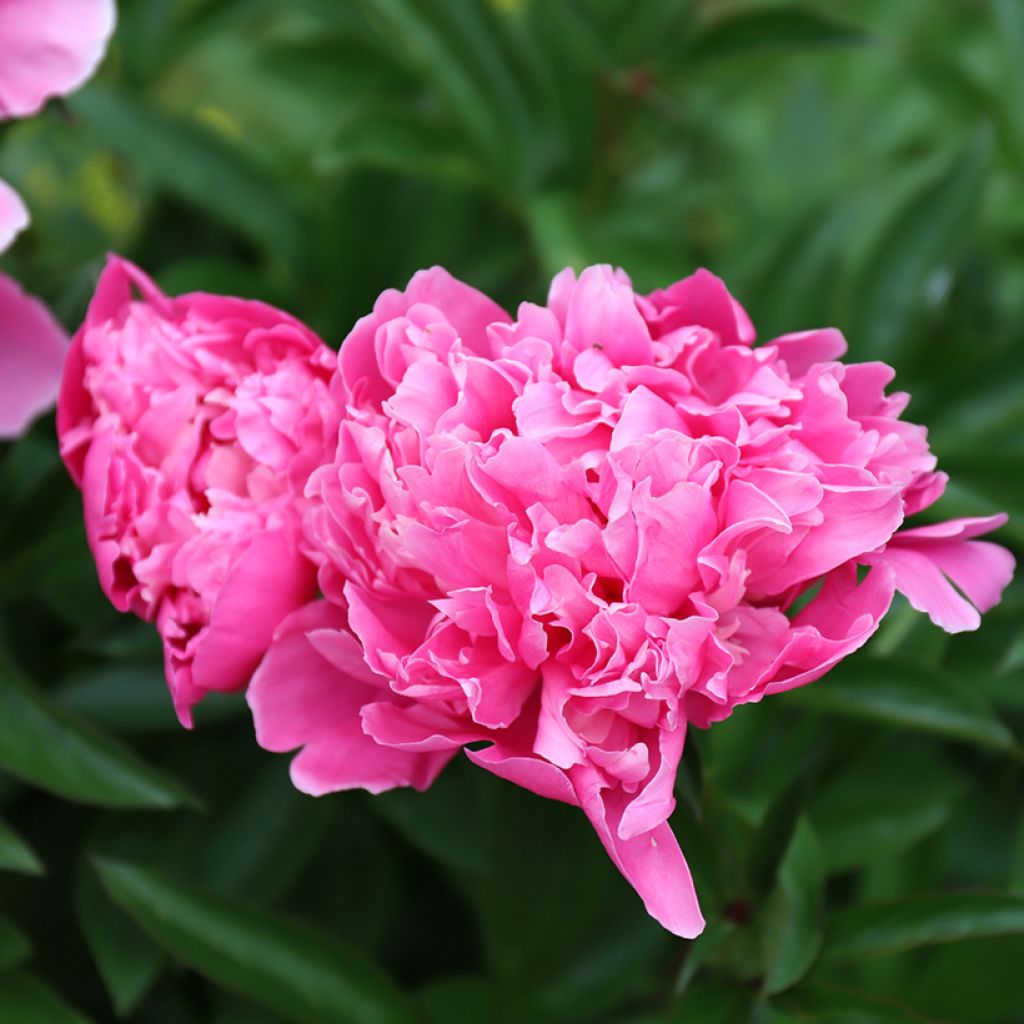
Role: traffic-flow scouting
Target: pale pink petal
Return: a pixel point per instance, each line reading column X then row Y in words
column 13, row 215
column 49, row 48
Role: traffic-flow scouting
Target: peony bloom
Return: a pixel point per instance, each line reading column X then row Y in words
column 565, row 538
column 49, row 48
column 191, row 424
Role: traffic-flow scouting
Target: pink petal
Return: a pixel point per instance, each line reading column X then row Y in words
column 32, row 350
column 268, row 583
column 299, row 699
column 652, row 862
column 532, row 773
column 603, row 319
column 702, row 300
column 49, row 48
column 802, row 350
column 931, row 561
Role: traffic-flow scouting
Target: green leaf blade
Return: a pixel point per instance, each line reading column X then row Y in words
column 46, row 746
column 304, row 976
column 879, row 929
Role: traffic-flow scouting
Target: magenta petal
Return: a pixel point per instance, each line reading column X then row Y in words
column 49, row 48
column 32, row 350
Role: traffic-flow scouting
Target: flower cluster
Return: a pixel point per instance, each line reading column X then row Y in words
column 556, row 541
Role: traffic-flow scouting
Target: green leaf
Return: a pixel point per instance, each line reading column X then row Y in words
column 46, row 746
column 263, row 838
column 432, row 52
column 28, row 1001
column 878, row 929
column 447, row 822
column 299, row 973
column 890, row 289
column 793, row 917
column 892, row 793
column 775, row 836
column 16, row 854
column 841, row 1006
column 14, row 944
column 127, row 960
column 193, row 165
column 906, row 697
column 398, row 139
column 464, row 998
column 557, row 231
column 786, row 27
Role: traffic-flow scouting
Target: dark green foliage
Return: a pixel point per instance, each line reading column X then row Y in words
column 859, row 844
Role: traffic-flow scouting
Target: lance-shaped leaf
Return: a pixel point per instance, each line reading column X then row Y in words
column 46, row 746
column 16, row 854
column 877, row 929
column 303, row 975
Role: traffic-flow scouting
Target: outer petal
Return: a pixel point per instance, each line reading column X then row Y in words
column 49, row 48
column 13, row 215
column 931, row 563
column 299, row 698
column 32, row 350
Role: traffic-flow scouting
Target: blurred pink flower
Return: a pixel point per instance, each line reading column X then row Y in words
column 49, row 48
column 572, row 535
column 32, row 348
column 191, row 424
column 32, row 343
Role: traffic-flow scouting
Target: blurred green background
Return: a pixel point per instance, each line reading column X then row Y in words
column 858, row 845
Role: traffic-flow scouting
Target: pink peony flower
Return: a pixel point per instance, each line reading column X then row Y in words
column 49, row 48
column 191, row 424
column 571, row 536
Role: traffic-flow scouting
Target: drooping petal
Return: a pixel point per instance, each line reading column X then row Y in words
column 652, row 862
